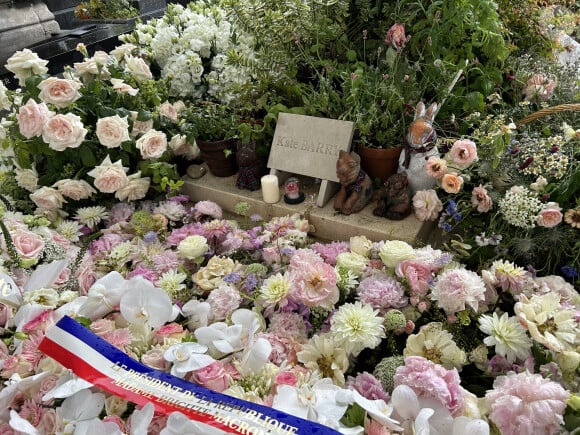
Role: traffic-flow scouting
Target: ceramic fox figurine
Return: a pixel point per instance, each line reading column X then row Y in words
column 421, row 139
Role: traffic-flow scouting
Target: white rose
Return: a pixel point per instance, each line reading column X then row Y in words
column 121, row 87
column 394, row 251
column 60, row 92
column 101, row 57
column 136, row 188
column 109, row 177
column 26, row 178
column 31, row 118
column 138, row 68
column 168, row 111
column 123, row 50
column 4, row 100
column 74, row 189
column 25, row 63
column 140, row 127
column 193, row 247
column 354, row 262
column 152, row 144
column 64, row 131
column 180, row 147
column 48, row 198
column 112, row 131
column 361, row 245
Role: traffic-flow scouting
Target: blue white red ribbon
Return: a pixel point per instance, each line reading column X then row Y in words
column 100, row 363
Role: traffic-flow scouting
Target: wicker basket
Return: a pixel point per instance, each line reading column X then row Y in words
column 549, row 111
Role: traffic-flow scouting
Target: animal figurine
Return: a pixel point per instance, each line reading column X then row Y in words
column 395, row 202
column 356, row 187
column 249, row 167
column 421, row 139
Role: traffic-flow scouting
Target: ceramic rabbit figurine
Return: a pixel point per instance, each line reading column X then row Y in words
column 421, row 139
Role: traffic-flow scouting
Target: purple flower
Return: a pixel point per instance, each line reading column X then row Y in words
column 329, row 251
column 148, row 274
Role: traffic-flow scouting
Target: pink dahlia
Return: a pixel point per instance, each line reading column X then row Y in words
column 431, row 380
column 526, row 403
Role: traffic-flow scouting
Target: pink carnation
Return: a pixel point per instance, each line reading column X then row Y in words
column 166, row 261
column 368, row 386
column 526, row 403
column 223, row 301
column 382, row 292
column 431, row 380
column 289, row 325
column 456, row 288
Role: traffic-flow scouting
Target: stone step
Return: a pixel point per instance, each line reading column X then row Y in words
column 328, row 224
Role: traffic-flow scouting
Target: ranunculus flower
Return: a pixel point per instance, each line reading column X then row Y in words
column 109, row 177
column 463, row 153
column 47, row 198
column 427, row 205
column 112, row 131
column 451, row 183
column 75, row 189
column 550, row 216
column 60, row 92
column 480, row 199
column 395, row 36
column 27, row 244
column 25, row 63
column 152, row 144
column 64, row 131
column 31, row 118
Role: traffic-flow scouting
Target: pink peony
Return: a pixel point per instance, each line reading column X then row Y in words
column 480, row 199
column 526, row 403
column 463, row 153
column 314, row 283
column 212, row 376
column 329, row 251
column 431, row 380
column 382, row 292
column 456, row 288
column 427, row 205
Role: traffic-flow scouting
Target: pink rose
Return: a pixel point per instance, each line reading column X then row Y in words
column 451, row 183
column 102, row 327
column 436, row 167
column 212, row 376
column 109, row 177
column 395, row 36
column 64, row 131
column 480, row 199
column 112, row 131
column 47, row 422
column 168, row 111
column 550, row 216
column 31, row 118
column 74, row 189
column 154, row 359
column 152, row 144
column 427, row 205
column 286, row 378
column 463, row 153
column 60, row 92
column 48, row 198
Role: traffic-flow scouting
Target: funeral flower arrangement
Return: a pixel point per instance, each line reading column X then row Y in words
column 362, row 337
column 106, row 131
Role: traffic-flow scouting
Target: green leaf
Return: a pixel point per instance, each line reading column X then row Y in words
column 88, row 158
column 144, row 115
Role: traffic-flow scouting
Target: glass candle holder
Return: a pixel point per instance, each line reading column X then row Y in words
column 292, row 193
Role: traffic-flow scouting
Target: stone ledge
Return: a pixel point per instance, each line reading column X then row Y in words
column 328, row 224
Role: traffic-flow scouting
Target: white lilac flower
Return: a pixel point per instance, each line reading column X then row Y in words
column 322, row 353
column 436, row 344
column 520, row 207
column 357, row 326
column 507, row 335
column 548, row 322
column 91, row 216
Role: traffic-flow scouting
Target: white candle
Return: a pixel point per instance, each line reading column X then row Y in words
column 270, row 189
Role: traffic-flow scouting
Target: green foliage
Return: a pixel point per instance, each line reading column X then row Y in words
column 207, row 120
column 106, row 9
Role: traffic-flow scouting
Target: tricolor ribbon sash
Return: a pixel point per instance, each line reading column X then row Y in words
column 100, row 363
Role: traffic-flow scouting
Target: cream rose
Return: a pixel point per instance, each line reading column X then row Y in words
column 112, row 131
column 74, row 189
column 31, row 118
column 4, row 100
column 64, row 131
column 451, row 183
column 109, row 177
column 361, row 245
column 152, row 144
column 121, row 87
column 394, row 251
column 140, row 127
column 25, row 63
column 123, row 50
column 60, row 92
column 168, row 111
column 193, row 247
column 136, row 188
column 138, row 68
column 180, row 147
column 48, row 198
column 354, row 262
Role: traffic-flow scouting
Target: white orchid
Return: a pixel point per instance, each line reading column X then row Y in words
column 197, row 313
column 142, row 302
column 103, row 296
column 78, row 411
column 186, row 357
column 21, row 425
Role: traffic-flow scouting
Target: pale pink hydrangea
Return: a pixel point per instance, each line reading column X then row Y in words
column 223, row 301
column 526, row 403
column 382, row 292
column 455, row 289
column 431, row 380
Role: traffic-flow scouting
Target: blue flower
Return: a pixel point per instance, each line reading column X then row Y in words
column 232, row 278
column 569, row 272
column 150, row 237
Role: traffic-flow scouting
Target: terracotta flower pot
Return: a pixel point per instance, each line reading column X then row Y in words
column 379, row 162
column 212, row 152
